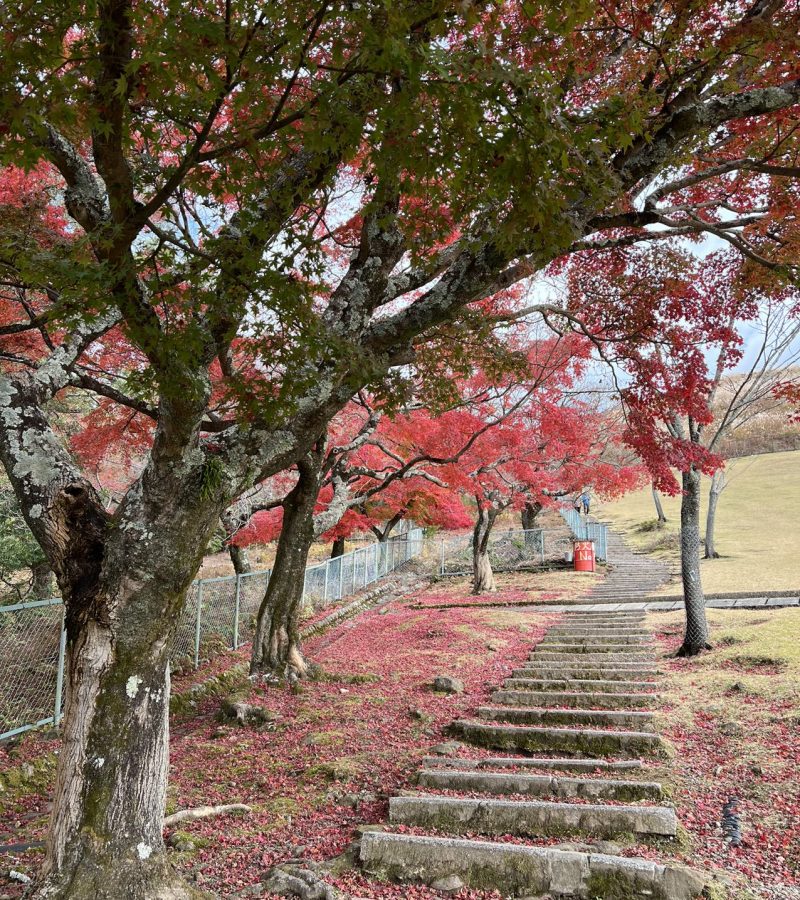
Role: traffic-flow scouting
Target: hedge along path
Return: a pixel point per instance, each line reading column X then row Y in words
column 575, row 727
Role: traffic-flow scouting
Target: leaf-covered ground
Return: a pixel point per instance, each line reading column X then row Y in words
column 337, row 751
column 733, row 716
column 339, row 748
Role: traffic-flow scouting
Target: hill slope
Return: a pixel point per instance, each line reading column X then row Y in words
column 757, row 533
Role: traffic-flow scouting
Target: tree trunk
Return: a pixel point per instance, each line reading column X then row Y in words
column 717, row 487
column 482, row 575
column 338, row 547
column 43, row 585
column 530, row 513
column 240, row 559
column 124, row 589
column 383, row 534
column 659, row 508
column 276, row 645
column 696, row 636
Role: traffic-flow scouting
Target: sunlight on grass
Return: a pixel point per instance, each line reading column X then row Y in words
column 757, row 526
column 755, row 663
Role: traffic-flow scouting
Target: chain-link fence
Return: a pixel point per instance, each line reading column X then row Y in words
column 219, row 615
column 508, row 550
column 588, row 531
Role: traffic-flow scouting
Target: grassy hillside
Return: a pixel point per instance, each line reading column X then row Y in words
column 758, row 525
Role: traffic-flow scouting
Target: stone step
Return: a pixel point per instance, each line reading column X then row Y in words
column 624, row 621
column 581, row 657
column 585, row 671
column 540, row 785
column 593, row 640
column 524, row 715
column 599, row 631
column 585, row 741
column 606, row 661
column 623, row 650
column 605, row 615
column 573, row 700
column 530, row 818
column 590, row 685
column 520, row 871
column 528, row 762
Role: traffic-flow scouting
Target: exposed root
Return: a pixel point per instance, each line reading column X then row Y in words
column 204, row 812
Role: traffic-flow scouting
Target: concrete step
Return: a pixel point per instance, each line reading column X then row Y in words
column 599, row 631
column 610, row 660
column 593, row 686
column 595, row 615
column 527, row 762
column 579, row 700
column 579, row 741
column 592, row 640
column 530, row 818
column 584, row 671
column 523, row 715
column 630, row 619
column 540, row 785
column 520, row 871
column 623, row 650
column 570, row 653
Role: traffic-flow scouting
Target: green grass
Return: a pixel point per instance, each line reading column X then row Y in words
column 757, row 533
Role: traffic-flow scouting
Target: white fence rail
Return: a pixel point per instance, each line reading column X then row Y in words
column 219, row 615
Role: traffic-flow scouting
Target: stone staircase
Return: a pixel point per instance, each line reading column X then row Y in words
column 576, row 724
column 631, row 577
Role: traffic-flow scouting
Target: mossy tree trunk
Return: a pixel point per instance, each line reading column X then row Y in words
column 124, row 588
column 482, row 574
column 696, row 635
column 337, row 549
column 276, row 645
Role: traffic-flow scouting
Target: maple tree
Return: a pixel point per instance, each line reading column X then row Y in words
column 174, row 179
column 676, row 353
column 521, row 443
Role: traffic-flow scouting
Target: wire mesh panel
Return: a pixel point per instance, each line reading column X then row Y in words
column 511, row 549
column 219, row 614
column 182, row 656
column 29, row 658
column 315, row 592
column 252, row 588
column 335, row 566
column 508, row 550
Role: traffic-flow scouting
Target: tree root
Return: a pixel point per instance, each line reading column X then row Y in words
column 687, row 650
column 204, row 812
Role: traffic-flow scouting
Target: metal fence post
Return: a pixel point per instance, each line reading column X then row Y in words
column 366, row 565
column 236, row 612
column 325, row 588
column 62, row 646
column 541, row 532
column 197, row 624
column 441, row 559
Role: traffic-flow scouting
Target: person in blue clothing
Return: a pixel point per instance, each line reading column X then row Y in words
column 586, row 500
